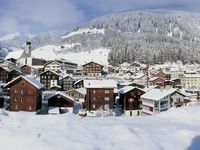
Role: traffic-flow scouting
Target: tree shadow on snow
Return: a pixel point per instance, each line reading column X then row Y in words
column 195, row 145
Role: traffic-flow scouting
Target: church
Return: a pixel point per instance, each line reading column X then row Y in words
column 25, row 57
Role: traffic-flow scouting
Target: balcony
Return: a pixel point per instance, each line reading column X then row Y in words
column 178, row 104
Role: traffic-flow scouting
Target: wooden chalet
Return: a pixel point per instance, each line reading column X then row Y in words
column 130, row 100
column 28, row 70
column 93, row 69
column 78, row 94
column 156, row 81
column 79, row 84
column 3, row 75
column 25, row 94
column 99, row 93
column 163, row 75
column 63, row 101
column 49, row 79
column 13, row 74
column 68, row 83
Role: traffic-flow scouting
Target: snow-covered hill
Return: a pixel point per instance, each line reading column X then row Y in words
column 50, row 52
column 10, row 36
column 85, row 31
column 175, row 129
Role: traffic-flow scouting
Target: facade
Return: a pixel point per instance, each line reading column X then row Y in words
column 25, row 94
column 191, row 81
column 140, row 78
column 156, row 81
column 99, row 93
column 49, row 79
column 60, row 66
column 13, row 74
column 60, row 99
column 78, row 94
column 163, row 75
column 7, row 64
column 28, row 70
column 67, row 83
column 93, row 69
column 130, row 100
column 3, row 75
column 55, row 66
column 159, row 100
column 79, row 84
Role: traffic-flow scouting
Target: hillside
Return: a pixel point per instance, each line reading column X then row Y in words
column 144, row 36
column 176, row 128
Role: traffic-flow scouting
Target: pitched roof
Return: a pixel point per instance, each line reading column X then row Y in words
column 100, row 84
column 60, row 93
column 50, row 71
column 158, row 94
column 129, row 88
column 29, row 79
column 51, row 61
column 15, row 54
column 81, row 90
column 92, row 62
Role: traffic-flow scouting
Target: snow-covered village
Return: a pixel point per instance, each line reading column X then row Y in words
column 87, row 76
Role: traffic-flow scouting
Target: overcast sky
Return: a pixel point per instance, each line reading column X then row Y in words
column 35, row 16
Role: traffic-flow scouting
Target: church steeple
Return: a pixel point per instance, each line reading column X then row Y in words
column 27, row 49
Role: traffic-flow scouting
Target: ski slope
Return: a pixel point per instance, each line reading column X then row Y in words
column 50, row 52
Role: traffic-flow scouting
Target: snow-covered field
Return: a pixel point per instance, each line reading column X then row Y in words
column 176, row 129
column 49, row 52
column 82, row 31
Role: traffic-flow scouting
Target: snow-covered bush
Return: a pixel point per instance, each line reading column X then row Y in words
column 104, row 111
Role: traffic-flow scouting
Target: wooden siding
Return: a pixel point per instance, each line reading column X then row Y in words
column 96, row 98
column 24, row 97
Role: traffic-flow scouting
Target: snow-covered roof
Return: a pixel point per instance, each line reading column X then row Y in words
column 151, row 87
column 128, row 88
column 60, row 93
column 50, row 71
column 157, row 94
column 138, row 75
column 154, row 78
column 29, row 79
column 78, row 81
column 14, row 54
column 100, row 83
column 192, row 75
column 81, row 90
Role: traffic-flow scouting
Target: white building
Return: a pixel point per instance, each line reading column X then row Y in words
column 158, row 100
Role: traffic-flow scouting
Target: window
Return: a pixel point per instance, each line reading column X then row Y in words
column 29, row 108
column 15, row 99
column 15, row 91
column 22, row 92
column 94, row 91
column 107, row 91
column 21, row 99
column 15, row 106
column 93, row 106
column 106, row 98
column 94, row 98
column 178, row 100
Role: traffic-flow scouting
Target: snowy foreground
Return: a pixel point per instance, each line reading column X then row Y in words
column 175, row 129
